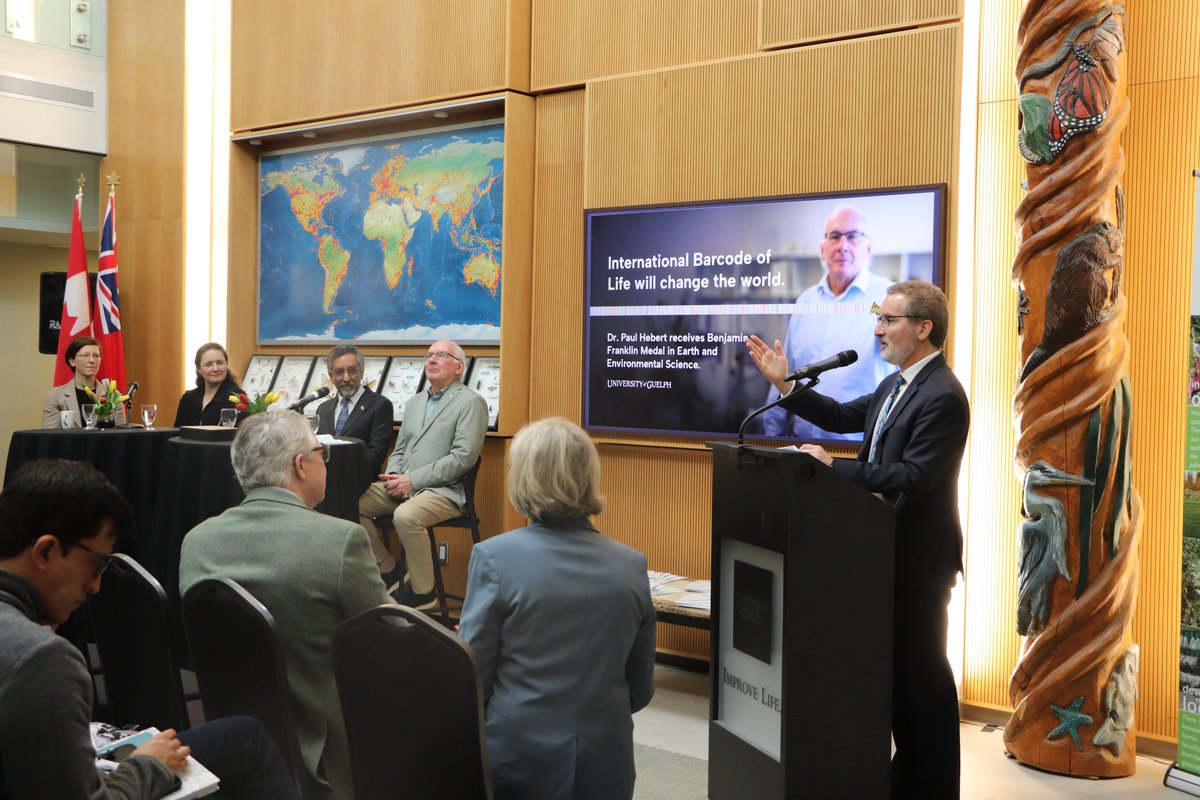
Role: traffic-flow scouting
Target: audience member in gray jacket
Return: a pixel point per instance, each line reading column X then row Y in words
column 560, row 618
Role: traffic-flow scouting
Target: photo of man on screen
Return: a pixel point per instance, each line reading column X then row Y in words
column 834, row 315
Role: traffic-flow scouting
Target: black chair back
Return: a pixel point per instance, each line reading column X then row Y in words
column 129, row 619
column 422, row 738
column 239, row 664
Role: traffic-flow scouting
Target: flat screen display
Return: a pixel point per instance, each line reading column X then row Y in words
column 672, row 291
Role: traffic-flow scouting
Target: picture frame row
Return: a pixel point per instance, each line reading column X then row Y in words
column 397, row 378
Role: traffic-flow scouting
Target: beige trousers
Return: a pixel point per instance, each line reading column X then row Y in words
column 410, row 519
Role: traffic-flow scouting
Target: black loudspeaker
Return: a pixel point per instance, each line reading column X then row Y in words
column 50, row 303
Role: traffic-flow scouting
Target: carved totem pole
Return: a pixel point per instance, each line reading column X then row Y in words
column 1075, row 683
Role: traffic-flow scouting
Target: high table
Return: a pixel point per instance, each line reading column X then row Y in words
column 130, row 457
column 197, row 482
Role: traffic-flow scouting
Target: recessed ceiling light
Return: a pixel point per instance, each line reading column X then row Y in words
column 254, row 142
column 440, row 114
column 309, row 134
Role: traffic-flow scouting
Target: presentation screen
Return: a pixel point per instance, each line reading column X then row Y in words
column 672, row 291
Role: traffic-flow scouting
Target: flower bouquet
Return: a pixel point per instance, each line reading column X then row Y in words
column 259, row 404
column 106, row 402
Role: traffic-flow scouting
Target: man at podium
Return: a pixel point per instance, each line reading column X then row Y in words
column 914, row 428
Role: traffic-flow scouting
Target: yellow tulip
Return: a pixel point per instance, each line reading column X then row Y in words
column 233, row 398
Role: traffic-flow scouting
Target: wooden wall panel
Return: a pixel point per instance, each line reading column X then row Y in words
column 1166, row 33
column 792, row 22
column 1162, row 147
column 146, row 148
column 747, row 127
column 295, row 60
column 998, row 50
column 660, row 502
column 991, row 645
column 557, row 307
column 577, row 40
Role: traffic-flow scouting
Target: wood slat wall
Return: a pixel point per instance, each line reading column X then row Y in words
column 991, row 645
column 577, row 40
column 296, row 60
column 793, row 22
column 146, row 148
column 1162, row 147
column 748, row 128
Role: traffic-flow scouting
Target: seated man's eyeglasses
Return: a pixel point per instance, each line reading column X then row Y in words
column 105, row 558
column 323, row 449
column 440, row 355
column 351, row 371
column 853, row 237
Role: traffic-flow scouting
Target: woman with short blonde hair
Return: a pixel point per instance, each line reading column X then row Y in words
column 560, row 618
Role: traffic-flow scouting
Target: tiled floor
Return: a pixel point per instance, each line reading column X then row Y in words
column 677, row 720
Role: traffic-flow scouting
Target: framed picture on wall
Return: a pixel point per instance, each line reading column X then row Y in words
column 317, row 378
column 485, row 379
column 373, row 369
column 291, row 379
column 260, row 373
column 468, row 365
column 405, row 376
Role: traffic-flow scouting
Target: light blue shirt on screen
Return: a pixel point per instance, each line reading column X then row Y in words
column 824, row 325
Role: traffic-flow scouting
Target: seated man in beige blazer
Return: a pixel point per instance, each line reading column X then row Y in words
column 443, row 432
column 312, row 572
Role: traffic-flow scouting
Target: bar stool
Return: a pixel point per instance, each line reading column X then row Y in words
column 469, row 519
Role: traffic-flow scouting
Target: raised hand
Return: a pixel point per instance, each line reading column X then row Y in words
column 771, row 362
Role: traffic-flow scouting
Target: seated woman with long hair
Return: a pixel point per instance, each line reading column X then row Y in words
column 214, row 384
column 560, row 618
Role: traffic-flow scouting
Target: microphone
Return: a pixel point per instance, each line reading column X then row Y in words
column 308, row 398
column 131, row 390
column 842, row 359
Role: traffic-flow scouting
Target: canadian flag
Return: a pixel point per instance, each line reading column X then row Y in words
column 77, row 307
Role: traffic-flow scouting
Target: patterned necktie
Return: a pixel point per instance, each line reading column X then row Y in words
column 343, row 412
column 882, row 418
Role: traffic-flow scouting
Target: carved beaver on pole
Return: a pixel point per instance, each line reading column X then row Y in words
column 1083, row 286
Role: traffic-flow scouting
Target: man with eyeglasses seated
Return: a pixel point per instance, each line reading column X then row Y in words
column 440, row 441
column 832, row 316
column 311, row 571
column 355, row 410
column 59, row 521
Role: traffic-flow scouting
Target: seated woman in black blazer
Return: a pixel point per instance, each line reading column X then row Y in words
column 214, row 384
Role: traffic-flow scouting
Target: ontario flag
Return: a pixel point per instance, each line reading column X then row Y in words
column 76, row 313
column 106, row 325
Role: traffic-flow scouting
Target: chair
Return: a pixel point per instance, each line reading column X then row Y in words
column 129, row 618
column 420, row 737
column 239, row 664
column 470, row 519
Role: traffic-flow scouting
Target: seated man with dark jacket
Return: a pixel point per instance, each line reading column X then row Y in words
column 355, row 410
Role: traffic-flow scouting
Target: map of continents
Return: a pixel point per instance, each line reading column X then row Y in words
column 390, row 239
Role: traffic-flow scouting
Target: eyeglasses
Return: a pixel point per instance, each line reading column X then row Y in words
column 105, row 558
column 441, row 355
column 886, row 320
column 323, row 449
column 349, row 372
column 853, row 237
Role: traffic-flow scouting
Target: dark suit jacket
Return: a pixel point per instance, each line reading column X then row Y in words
column 370, row 420
column 919, row 452
column 190, row 412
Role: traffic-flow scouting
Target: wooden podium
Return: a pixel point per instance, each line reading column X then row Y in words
column 802, row 630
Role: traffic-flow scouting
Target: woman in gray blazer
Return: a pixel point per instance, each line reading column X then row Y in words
column 83, row 357
column 560, row 618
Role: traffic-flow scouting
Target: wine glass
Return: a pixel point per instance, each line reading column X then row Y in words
column 89, row 415
column 149, row 414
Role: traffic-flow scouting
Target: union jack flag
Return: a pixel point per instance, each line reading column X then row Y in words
column 106, row 321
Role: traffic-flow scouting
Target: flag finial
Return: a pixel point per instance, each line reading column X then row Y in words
column 113, row 180
column 80, row 181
